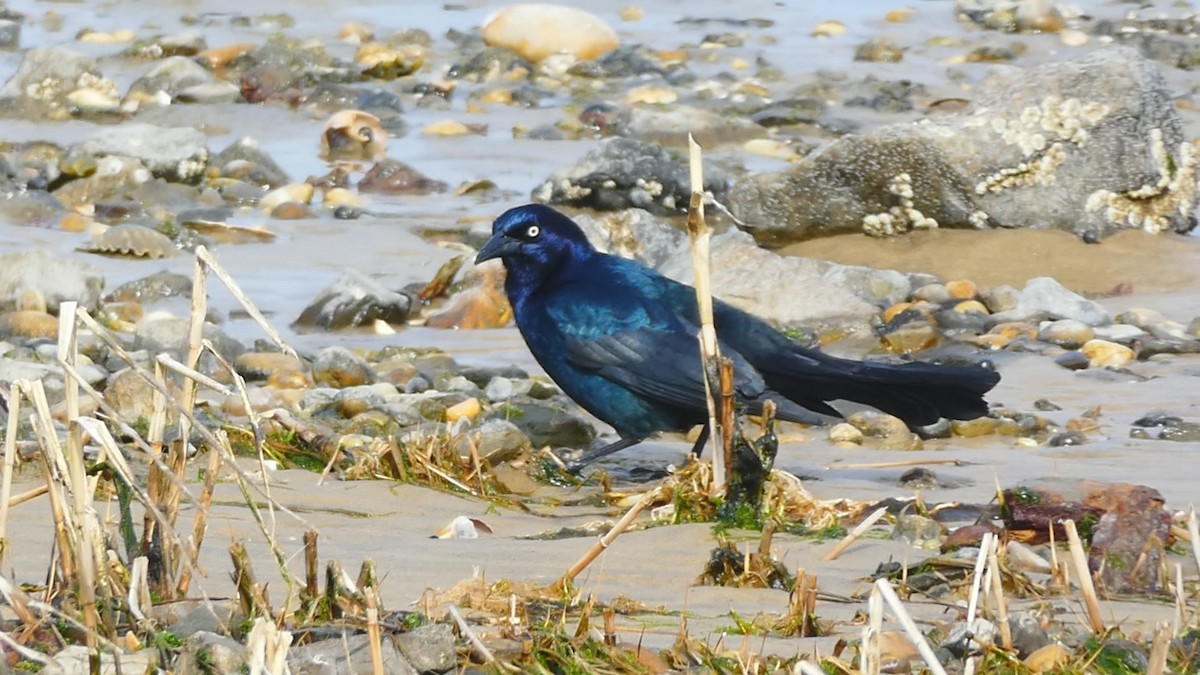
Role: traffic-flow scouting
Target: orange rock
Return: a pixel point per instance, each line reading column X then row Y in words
column 536, row 30
column 962, row 288
column 29, row 323
column 219, row 57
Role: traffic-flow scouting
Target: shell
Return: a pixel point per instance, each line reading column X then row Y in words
column 132, row 241
column 353, row 135
column 224, row 233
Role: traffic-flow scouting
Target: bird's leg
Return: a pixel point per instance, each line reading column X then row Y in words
column 701, row 440
column 590, row 456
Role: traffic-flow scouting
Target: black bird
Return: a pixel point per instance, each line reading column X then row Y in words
column 620, row 339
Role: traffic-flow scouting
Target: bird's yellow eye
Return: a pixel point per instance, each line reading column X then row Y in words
column 533, row 231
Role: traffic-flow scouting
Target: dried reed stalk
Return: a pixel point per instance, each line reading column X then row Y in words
column 1194, row 534
column 854, row 534
column 477, row 645
column 1079, row 558
column 910, row 627
column 606, row 540
column 373, row 631
column 709, row 351
column 977, row 577
column 267, row 647
column 998, row 598
column 10, row 461
column 1159, row 649
column 200, row 521
column 871, row 652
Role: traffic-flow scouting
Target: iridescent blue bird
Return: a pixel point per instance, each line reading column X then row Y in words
column 620, row 339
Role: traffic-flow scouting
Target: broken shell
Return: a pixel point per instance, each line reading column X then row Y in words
column 388, row 63
column 224, row 233
column 353, row 135
column 463, row 527
column 133, row 241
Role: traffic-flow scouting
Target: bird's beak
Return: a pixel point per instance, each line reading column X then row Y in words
column 498, row 246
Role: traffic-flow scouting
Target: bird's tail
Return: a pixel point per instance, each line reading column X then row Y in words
column 918, row 393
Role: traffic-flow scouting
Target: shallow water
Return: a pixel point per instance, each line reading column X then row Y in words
column 655, row 566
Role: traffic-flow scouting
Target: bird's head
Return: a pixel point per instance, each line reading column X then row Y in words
column 534, row 240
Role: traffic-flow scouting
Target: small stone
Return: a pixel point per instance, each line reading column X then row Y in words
column 355, row 300
column 29, row 324
column 767, row 147
column 255, row 366
column 913, row 337
column 971, row 307
column 973, row 638
column 355, row 33
column 964, row 289
column 899, row 15
column 56, row 278
column 1073, row 360
column 536, row 31
column 879, row 50
column 429, row 648
column 631, row 14
column 651, row 94
column 468, row 409
column 846, row 433
column 173, row 153
column 500, row 441
column 499, row 389
column 829, row 29
column 1105, row 354
column 446, row 129
column 1066, row 333
column 1073, row 38
column 1026, row 559
column 207, row 652
column 346, row 655
column 980, row 426
column 339, row 367
column 917, row 530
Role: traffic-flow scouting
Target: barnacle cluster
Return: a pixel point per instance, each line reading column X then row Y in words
column 1151, row 206
column 900, row 218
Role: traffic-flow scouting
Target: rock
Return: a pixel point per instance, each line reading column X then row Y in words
column 173, row 153
column 347, row 655
column 546, row 424
column 967, row 639
column 354, row 300
column 480, row 304
column 339, row 367
column 43, row 83
column 1028, row 635
column 844, row 433
column 245, row 160
column 1128, row 543
column 634, row 234
column 1089, row 145
column 211, row 93
column 1105, row 354
column 56, row 279
column 892, row 431
column 205, row 652
column 499, row 440
column 257, row 366
column 393, row 177
column 28, row 323
column 793, row 291
column 624, row 173
column 429, row 648
column 468, row 410
column 353, row 135
column 879, row 51
column 74, row 660
column 170, row 334
column 170, row 76
column 157, row 286
column 1045, row 297
column 1066, row 333
column 10, row 34
column 537, row 30
column 917, row 530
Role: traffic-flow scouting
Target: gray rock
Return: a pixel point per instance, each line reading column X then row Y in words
column 1066, row 333
column 55, row 278
column 170, row 335
column 31, row 207
column 429, row 648
column 354, row 300
column 1064, row 145
column 624, row 173
column 499, row 440
column 206, row 652
column 634, row 234
column 793, row 291
column 170, row 76
column 130, row 395
column 917, row 530
column 173, row 153
column 74, row 659
column 499, row 389
column 10, row 34
column 157, row 286
column 1028, row 636
column 210, row 93
column 1044, row 297
column 546, row 424
column 966, row 639
column 339, row 367
column 349, row 655
column 44, row 80
column 245, row 160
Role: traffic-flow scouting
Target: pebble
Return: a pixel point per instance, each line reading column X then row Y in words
column 844, row 433
column 339, row 367
column 29, row 324
column 829, row 29
column 468, row 409
column 1066, row 333
column 631, row 14
column 1105, row 354
column 766, row 147
column 963, row 289
column 446, row 129
column 1073, row 38
column 1049, row 658
column 653, row 94
column 537, row 30
column 917, row 530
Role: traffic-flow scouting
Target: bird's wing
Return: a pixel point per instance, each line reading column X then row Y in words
column 640, row 344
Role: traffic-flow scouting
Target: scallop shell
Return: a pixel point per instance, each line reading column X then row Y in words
column 132, row 241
